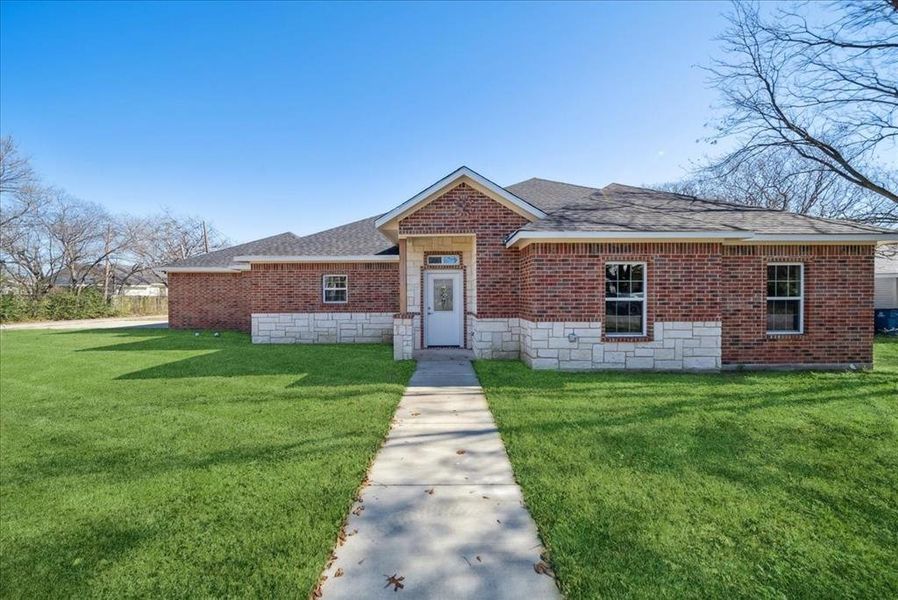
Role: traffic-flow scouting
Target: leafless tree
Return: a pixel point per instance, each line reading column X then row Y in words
column 45, row 234
column 28, row 256
column 818, row 83
column 20, row 191
column 15, row 170
column 176, row 237
column 781, row 180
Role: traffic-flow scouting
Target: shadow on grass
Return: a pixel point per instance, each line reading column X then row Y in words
column 233, row 355
column 755, row 457
column 137, row 463
column 70, row 562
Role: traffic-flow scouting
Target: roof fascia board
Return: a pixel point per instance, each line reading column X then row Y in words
column 464, row 172
column 529, row 237
column 316, row 259
column 734, row 237
column 234, row 269
column 408, row 236
column 825, row 237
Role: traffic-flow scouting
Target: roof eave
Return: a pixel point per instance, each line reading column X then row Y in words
column 318, row 259
column 199, row 269
column 523, row 238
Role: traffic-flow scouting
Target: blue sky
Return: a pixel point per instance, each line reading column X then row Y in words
column 272, row 117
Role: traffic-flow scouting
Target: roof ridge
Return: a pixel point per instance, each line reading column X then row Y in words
column 585, row 187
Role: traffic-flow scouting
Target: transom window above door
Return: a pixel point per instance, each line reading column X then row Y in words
column 444, row 259
column 625, row 285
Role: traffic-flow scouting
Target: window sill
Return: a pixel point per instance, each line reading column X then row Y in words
column 625, row 339
column 782, row 333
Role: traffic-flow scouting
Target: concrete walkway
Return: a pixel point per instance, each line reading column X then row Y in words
column 159, row 321
column 441, row 510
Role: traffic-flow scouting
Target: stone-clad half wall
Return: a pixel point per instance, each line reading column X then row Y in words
column 571, row 345
column 496, row 338
column 322, row 328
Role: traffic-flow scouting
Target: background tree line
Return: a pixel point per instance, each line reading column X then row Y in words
column 50, row 239
column 808, row 106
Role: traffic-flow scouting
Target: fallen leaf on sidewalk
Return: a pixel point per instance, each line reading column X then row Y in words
column 543, row 569
column 358, row 510
column 486, row 497
column 459, row 451
column 396, row 582
column 416, row 414
column 339, row 573
column 429, row 492
column 478, row 558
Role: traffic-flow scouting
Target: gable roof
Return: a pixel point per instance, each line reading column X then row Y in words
column 461, row 174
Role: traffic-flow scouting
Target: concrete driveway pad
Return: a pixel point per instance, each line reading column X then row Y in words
column 441, row 508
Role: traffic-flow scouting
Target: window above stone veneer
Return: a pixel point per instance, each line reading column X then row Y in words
column 625, row 293
column 335, row 289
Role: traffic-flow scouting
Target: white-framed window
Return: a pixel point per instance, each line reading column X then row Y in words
column 785, row 298
column 444, row 259
column 335, row 289
column 625, row 294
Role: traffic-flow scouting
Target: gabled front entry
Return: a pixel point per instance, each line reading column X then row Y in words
column 443, row 316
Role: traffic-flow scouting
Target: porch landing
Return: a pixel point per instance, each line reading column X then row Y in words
column 443, row 354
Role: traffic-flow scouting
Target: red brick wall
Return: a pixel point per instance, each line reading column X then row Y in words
column 296, row 287
column 565, row 282
column 838, row 306
column 208, row 301
column 464, row 210
column 226, row 301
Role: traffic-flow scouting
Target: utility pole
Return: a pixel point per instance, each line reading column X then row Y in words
column 205, row 238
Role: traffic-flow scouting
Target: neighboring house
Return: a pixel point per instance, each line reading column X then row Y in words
column 886, row 286
column 122, row 282
column 559, row 275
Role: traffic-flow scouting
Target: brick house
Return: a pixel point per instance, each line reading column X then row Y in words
column 558, row 275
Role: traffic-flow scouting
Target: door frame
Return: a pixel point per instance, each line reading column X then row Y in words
column 459, row 275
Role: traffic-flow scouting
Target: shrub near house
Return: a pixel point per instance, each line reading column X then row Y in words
column 89, row 304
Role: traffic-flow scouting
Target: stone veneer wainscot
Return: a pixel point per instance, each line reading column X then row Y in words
column 322, row 328
column 572, row 346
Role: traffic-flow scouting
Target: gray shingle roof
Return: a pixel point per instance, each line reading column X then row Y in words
column 615, row 207
column 618, row 207
column 359, row 238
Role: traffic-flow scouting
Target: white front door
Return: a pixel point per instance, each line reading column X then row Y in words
column 443, row 308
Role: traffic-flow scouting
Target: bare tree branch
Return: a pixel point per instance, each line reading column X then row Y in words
column 825, row 90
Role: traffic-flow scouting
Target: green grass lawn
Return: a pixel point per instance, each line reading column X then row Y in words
column 743, row 485
column 159, row 464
